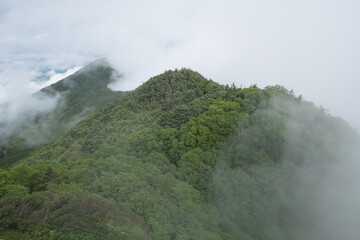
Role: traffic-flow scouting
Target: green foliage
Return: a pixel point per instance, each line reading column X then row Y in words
column 80, row 95
column 17, row 149
column 180, row 157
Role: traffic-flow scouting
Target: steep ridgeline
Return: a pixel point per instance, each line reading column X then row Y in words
column 181, row 157
column 79, row 96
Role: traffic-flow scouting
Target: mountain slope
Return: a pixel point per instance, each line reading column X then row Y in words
column 79, row 95
column 182, row 157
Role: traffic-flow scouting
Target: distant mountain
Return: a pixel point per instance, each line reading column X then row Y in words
column 183, row 157
column 79, row 96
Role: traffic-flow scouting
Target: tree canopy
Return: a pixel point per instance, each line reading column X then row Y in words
column 180, row 157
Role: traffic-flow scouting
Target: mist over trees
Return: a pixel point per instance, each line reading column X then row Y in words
column 183, row 157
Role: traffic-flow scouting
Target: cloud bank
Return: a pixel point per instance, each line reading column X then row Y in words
column 308, row 46
column 18, row 105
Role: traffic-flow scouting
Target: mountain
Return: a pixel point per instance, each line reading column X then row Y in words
column 183, row 157
column 81, row 94
column 78, row 96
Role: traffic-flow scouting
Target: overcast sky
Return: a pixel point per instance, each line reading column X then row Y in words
column 310, row 46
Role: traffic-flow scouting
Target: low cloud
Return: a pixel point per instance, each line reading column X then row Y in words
column 311, row 191
column 55, row 77
column 19, row 105
column 307, row 46
column 328, row 179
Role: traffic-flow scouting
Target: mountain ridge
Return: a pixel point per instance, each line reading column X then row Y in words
column 182, row 157
column 78, row 96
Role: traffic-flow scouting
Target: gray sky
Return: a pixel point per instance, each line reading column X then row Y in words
column 310, row 46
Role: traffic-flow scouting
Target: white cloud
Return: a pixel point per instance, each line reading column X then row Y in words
column 309, row 46
column 55, row 77
column 18, row 107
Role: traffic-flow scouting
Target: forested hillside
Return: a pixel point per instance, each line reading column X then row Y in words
column 181, row 157
column 78, row 96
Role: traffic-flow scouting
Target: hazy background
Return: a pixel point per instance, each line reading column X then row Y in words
column 310, row 46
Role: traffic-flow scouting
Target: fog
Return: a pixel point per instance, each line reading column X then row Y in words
column 311, row 192
column 308, row 46
column 337, row 199
column 328, row 182
column 19, row 105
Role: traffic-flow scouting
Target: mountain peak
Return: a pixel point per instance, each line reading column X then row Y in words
column 80, row 95
column 173, row 86
column 96, row 75
column 95, row 65
column 182, row 157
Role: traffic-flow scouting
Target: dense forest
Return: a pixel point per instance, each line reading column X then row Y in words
column 182, row 157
